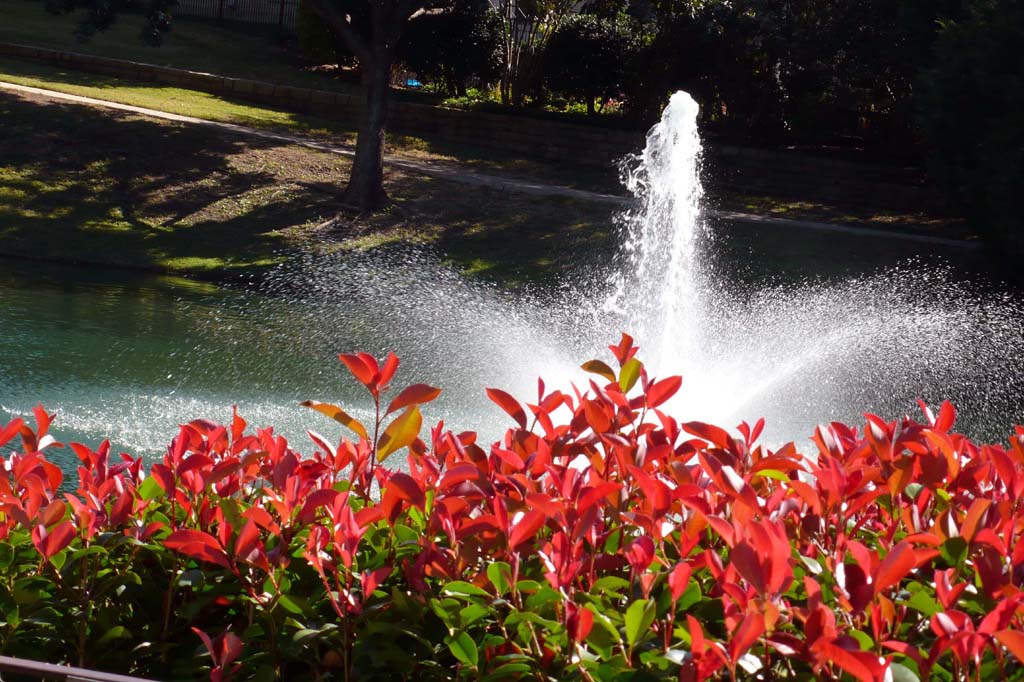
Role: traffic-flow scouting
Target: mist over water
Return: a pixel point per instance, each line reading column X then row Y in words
column 131, row 361
column 804, row 353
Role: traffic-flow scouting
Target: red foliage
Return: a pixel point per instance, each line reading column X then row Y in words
column 808, row 559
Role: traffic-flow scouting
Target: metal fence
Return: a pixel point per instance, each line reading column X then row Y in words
column 280, row 12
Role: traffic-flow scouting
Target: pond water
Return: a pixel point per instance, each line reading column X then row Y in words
column 128, row 356
column 799, row 326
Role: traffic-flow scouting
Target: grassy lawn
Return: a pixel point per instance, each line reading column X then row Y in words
column 216, row 108
column 240, row 50
column 89, row 185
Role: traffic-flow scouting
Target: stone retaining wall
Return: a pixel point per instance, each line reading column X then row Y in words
column 755, row 171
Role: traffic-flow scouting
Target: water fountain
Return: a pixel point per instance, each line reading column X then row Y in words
column 806, row 353
column 797, row 353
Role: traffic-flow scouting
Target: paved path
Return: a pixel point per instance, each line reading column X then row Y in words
column 457, row 174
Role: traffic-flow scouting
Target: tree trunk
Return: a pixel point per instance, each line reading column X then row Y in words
column 365, row 188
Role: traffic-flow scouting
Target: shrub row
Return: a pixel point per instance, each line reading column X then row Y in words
column 599, row 539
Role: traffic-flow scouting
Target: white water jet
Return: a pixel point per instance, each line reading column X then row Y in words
column 798, row 354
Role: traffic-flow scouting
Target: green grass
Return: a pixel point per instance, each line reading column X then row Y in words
column 240, row 50
column 79, row 184
column 216, row 108
column 167, row 98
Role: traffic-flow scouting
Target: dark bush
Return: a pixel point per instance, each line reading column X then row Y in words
column 454, row 49
column 587, row 57
column 318, row 44
column 971, row 109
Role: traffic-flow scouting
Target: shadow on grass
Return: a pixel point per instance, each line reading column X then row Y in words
column 81, row 185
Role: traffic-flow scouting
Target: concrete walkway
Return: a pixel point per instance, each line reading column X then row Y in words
column 454, row 173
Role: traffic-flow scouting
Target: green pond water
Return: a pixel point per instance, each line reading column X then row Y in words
column 129, row 356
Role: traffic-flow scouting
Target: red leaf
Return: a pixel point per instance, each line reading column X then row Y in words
column 42, row 420
column 746, row 634
column 749, row 564
column 315, row 500
column 590, row 496
column 900, row 561
column 584, row 624
column 526, row 528
column 198, row 545
column 509, row 404
column 679, row 580
column 661, row 391
column 508, row 457
column 48, row 543
column 947, row 415
column 625, row 350
column 322, row 443
column 1014, row 641
column 11, row 430
column 640, row 553
column 247, row 539
column 545, row 503
column 460, row 473
column 863, row 665
column 417, row 394
column 709, row 432
column 361, row 370
column 369, row 580
column 388, row 370
column 406, row 488
column 597, row 416
column 975, row 515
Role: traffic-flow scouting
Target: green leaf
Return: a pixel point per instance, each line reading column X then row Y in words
column 498, row 573
column 863, row 639
column 610, row 584
column 639, row 617
column 464, row 589
column 774, row 474
column 232, row 512
column 954, row 551
column 149, row 490
column 12, row 617
column 404, row 533
column 629, row 374
column 599, row 368
column 116, row 632
column 508, row 671
column 901, row 673
column 913, row 490
column 400, row 433
column 463, row 647
column 6, row 555
column 542, row 597
column 59, row 558
column 472, row 614
column 690, row 596
column 812, row 565
column 305, row 633
column 289, row 604
column 191, row 578
column 921, row 601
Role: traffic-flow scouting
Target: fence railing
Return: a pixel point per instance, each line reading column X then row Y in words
column 280, row 12
column 36, row 670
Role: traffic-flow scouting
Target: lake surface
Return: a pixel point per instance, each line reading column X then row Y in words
column 128, row 356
